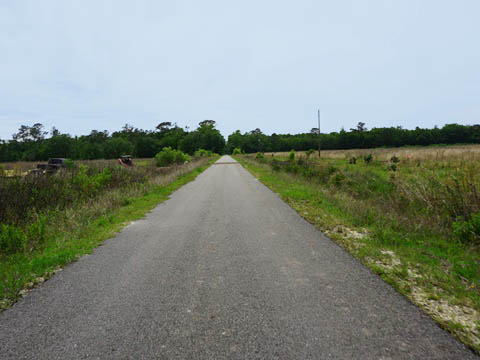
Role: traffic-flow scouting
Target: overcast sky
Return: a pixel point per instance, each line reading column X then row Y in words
column 80, row 65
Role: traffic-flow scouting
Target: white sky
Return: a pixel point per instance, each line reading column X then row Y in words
column 80, row 65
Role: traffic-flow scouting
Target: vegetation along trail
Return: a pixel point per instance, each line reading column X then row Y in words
column 224, row 269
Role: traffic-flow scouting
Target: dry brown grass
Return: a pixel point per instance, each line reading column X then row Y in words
column 439, row 153
column 22, row 166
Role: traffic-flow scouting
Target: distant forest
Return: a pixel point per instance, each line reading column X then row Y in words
column 33, row 143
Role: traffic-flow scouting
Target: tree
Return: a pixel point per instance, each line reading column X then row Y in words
column 164, row 126
column 146, row 147
column 54, row 131
column 210, row 123
column 59, row 146
column 30, row 133
column 205, row 137
column 115, row 147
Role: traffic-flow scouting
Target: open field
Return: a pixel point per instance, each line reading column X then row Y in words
column 436, row 153
column 415, row 220
column 21, row 168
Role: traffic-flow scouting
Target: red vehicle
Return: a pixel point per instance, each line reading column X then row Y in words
column 125, row 161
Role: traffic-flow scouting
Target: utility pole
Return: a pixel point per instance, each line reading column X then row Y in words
column 319, row 139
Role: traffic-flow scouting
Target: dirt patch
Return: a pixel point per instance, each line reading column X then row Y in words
column 461, row 319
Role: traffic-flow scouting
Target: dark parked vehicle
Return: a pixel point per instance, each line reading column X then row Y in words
column 125, row 160
column 53, row 165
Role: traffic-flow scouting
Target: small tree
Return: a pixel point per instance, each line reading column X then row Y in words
column 291, row 155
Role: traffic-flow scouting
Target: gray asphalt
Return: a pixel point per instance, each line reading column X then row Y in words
column 222, row 270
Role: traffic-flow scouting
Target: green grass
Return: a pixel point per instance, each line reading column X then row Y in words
column 361, row 213
column 24, row 270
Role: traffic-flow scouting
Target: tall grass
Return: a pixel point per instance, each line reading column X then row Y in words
column 418, row 192
column 32, row 204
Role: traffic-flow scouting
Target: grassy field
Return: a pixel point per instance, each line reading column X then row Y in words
column 466, row 152
column 46, row 222
column 411, row 215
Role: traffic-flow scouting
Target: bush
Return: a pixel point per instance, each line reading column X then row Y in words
column 291, row 155
column 368, row 158
column 181, row 157
column 309, row 153
column 467, row 230
column 168, row 157
column 12, row 239
column 394, row 159
column 259, row 156
column 203, row 153
column 237, row 151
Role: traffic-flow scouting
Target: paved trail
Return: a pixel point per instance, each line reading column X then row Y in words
column 223, row 270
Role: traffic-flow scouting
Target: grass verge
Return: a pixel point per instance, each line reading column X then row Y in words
column 77, row 231
column 435, row 272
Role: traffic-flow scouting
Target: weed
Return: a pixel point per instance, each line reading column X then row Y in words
column 12, row 239
column 394, row 159
column 368, row 158
column 467, row 230
column 291, row 155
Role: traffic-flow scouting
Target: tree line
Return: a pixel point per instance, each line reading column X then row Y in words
column 357, row 138
column 33, row 143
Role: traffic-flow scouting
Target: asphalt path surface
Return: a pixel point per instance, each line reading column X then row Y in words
column 222, row 270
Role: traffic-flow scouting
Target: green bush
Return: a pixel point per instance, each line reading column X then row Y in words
column 181, row 157
column 368, row 158
column 12, row 239
column 394, row 159
column 237, row 151
column 291, row 155
column 203, row 153
column 309, row 153
column 259, row 156
column 168, row 157
column 467, row 230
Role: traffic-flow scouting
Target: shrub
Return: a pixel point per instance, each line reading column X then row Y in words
column 394, row 159
column 291, row 155
column 12, row 239
column 237, row 151
column 259, row 156
column 352, row 160
column 368, row 158
column 467, row 230
column 203, row 153
column 70, row 164
column 165, row 157
column 168, row 157
column 309, row 153
column 181, row 157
